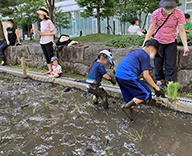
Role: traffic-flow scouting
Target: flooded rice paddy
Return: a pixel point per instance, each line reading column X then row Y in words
column 43, row 119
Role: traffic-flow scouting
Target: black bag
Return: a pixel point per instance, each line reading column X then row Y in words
column 64, row 40
column 162, row 25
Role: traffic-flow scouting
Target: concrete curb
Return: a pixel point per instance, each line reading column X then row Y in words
column 184, row 105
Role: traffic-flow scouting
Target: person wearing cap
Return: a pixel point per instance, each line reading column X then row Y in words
column 95, row 74
column 47, row 36
column 129, row 69
column 56, row 68
column 167, row 37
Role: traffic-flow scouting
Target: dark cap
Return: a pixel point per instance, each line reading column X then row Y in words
column 154, row 43
column 169, row 3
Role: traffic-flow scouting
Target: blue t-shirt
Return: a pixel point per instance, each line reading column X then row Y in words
column 96, row 74
column 133, row 65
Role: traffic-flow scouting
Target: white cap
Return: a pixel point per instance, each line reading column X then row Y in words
column 109, row 55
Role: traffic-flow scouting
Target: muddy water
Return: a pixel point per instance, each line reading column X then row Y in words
column 39, row 119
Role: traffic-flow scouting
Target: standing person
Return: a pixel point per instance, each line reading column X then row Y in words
column 134, row 90
column 134, row 29
column 188, row 24
column 10, row 38
column 166, row 34
column 95, row 74
column 32, row 33
column 47, row 36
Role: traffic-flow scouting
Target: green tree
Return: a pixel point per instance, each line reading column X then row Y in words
column 101, row 7
column 24, row 14
column 60, row 19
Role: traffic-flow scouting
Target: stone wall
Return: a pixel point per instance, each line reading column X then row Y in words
column 78, row 59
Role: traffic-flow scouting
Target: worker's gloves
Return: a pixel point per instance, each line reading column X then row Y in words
column 160, row 93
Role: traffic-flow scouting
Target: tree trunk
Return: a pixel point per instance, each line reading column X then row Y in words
column 108, row 26
column 23, row 34
column 121, row 28
column 98, row 20
column 140, row 19
column 145, row 21
column 124, row 28
column 50, row 5
column 1, row 30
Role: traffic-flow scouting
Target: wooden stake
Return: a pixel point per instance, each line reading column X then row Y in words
column 24, row 67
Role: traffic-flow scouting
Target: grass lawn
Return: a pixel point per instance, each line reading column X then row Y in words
column 95, row 38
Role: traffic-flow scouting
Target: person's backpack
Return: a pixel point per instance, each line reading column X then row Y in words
column 64, row 40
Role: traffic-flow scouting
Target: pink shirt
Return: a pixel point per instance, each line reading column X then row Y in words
column 168, row 33
column 47, row 27
column 134, row 29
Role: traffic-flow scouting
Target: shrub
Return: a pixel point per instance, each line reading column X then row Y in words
column 189, row 40
column 172, row 91
column 126, row 41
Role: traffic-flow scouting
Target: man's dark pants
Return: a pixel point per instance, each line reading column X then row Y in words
column 169, row 56
column 3, row 46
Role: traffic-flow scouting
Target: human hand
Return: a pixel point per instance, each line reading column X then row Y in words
column 41, row 33
column 8, row 43
column 113, row 81
column 159, row 92
column 186, row 50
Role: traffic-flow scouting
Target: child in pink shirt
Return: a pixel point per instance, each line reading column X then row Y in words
column 47, row 36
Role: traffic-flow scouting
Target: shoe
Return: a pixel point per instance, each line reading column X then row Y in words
column 2, row 63
column 47, row 73
column 95, row 100
column 129, row 104
column 159, row 84
column 129, row 112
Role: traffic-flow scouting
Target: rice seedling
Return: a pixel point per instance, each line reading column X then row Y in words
column 58, row 99
column 135, row 137
column 108, row 153
column 172, row 91
column 80, row 108
column 51, row 119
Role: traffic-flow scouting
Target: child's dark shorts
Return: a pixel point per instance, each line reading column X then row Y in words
column 134, row 89
column 98, row 91
column 59, row 75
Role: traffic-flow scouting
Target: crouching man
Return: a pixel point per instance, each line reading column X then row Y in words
column 134, row 90
column 10, row 37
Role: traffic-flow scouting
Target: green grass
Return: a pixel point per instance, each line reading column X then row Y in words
column 135, row 137
column 95, row 38
column 172, row 91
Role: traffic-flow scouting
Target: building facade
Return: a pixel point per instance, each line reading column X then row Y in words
column 89, row 25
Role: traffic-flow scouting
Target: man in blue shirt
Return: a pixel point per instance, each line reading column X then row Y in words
column 134, row 90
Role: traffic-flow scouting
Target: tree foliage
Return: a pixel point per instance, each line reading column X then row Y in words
column 99, row 9
column 60, row 19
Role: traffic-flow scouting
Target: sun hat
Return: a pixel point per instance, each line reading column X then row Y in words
column 54, row 58
column 43, row 11
column 154, row 43
column 169, row 3
column 109, row 56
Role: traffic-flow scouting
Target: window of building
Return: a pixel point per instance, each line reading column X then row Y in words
column 188, row 4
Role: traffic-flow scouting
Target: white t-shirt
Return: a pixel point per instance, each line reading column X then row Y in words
column 56, row 69
column 135, row 30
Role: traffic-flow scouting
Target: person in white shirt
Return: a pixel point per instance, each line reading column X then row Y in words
column 134, row 29
column 57, row 71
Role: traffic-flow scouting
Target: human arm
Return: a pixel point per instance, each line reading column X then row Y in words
column 17, row 34
column 46, row 34
column 6, row 38
column 108, row 78
column 51, row 29
column 150, row 32
column 187, row 31
column 149, row 79
column 183, row 37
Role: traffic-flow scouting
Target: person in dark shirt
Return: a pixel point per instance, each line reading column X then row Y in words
column 95, row 74
column 134, row 90
column 10, row 37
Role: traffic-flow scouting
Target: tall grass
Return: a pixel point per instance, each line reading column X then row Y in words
column 172, row 91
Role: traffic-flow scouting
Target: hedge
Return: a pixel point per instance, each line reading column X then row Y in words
column 135, row 40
